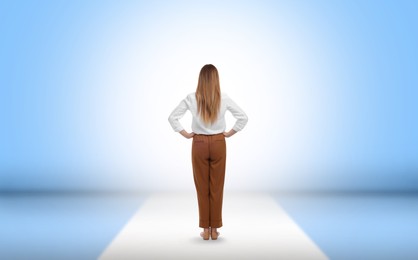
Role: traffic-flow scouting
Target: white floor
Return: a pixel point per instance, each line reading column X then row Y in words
column 254, row 227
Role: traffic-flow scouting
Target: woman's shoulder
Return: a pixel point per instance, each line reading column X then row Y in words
column 224, row 95
column 191, row 96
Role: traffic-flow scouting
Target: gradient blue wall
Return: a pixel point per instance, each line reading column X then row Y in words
column 330, row 88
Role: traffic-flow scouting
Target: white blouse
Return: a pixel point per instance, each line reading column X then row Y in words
column 198, row 127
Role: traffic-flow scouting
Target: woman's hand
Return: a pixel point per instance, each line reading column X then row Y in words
column 186, row 134
column 230, row 133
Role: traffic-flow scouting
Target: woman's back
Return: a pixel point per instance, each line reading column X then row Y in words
column 200, row 127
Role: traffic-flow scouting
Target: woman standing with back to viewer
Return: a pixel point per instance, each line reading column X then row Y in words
column 208, row 106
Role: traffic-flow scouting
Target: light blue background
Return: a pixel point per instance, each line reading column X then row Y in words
column 56, row 58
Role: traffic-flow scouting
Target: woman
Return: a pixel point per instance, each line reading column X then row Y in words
column 208, row 106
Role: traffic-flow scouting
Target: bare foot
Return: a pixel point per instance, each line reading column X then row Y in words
column 205, row 234
column 214, row 233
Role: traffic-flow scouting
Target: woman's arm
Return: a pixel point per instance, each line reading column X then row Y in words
column 230, row 133
column 176, row 115
column 239, row 115
column 186, row 134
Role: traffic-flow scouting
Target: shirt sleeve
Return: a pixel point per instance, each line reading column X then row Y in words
column 177, row 114
column 238, row 114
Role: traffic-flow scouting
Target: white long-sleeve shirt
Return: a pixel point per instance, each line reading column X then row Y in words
column 198, row 126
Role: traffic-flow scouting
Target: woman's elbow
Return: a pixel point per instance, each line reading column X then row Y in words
column 245, row 119
column 171, row 118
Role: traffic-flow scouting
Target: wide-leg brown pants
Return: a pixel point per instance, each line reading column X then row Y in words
column 208, row 160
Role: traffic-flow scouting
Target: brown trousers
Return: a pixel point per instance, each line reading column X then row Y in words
column 208, row 160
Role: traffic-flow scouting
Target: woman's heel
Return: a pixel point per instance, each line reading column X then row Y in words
column 214, row 234
column 205, row 234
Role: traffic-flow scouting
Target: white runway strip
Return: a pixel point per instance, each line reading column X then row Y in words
column 254, row 227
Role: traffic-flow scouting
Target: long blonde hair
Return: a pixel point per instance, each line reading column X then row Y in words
column 208, row 94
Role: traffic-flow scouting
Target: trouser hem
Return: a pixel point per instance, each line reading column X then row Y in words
column 207, row 223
